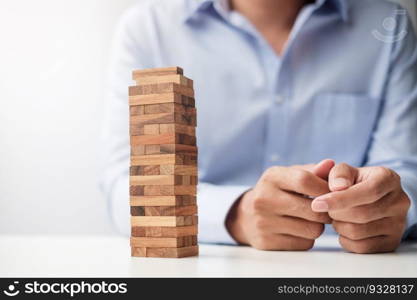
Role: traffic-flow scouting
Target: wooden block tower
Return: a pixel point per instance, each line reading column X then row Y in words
column 163, row 164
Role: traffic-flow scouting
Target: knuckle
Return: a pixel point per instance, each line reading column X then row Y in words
column 270, row 174
column 259, row 203
column 405, row 201
column 314, row 230
column 354, row 231
column 343, row 166
column 363, row 214
column 302, row 177
column 260, row 225
column 383, row 171
column 376, row 189
column 387, row 175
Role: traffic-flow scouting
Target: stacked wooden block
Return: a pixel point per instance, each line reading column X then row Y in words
column 163, row 171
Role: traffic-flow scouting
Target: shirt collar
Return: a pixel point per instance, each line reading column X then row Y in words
column 222, row 7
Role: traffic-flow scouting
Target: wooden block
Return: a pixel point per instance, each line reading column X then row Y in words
column 159, row 108
column 136, row 130
column 168, row 210
column 166, row 108
column 160, row 180
column 164, row 231
column 153, row 149
column 137, row 110
column 187, row 118
column 136, row 190
column 165, row 138
column 180, row 200
column 165, row 190
column 164, row 170
column 178, row 170
column 157, row 72
column 177, row 128
column 163, row 159
column 161, row 98
column 152, row 242
column 177, row 149
column 170, row 221
column 166, row 149
column 174, row 78
column 165, row 252
column 145, row 170
column 138, row 252
column 161, row 88
column 151, row 129
column 172, row 252
column 137, row 211
column 137, row 150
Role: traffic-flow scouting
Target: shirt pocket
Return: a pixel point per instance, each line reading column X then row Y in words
column 343, row 126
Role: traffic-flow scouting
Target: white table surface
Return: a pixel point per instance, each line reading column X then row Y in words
column 95, row 256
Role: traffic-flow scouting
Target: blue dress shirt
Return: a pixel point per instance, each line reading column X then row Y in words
column 345, row 88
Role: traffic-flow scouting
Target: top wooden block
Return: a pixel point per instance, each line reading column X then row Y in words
column 161, row 88
column 178, row 79
column 157, row 72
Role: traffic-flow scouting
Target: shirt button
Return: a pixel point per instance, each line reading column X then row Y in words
column 274, row 157
column 279, row 99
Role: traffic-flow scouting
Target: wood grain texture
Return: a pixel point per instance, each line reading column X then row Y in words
column 137, row 128
column 165, row 138
column 137, row 190
column 164, row 252
column 170, row 149
column 178, row 170
column 163, row 159
column 188, row 118
column 137, row 211
column 157, row 72
column 153, row 149
column 164, row 231
column 180, row 200
column 161, row 98
column 149, row 180
column 151, row 129
column 137, row 150
column 164, row 78
column 170, row 221
column 167, row 210
column 168, row 242
column 166, row 108
column 137, row 110
column 177, row 128
column 167, row 190
column 161, row 88
column 163, row 170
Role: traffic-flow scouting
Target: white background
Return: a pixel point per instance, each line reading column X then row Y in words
column 53, row 56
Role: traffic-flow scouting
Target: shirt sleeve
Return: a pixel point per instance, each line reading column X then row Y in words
column 130, row 52
column 394, row 142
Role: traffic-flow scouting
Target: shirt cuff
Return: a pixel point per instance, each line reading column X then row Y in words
column 214, row 203
column 410, row 190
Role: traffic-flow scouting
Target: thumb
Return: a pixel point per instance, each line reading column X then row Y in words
column 323, row 168
column 341, row 177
